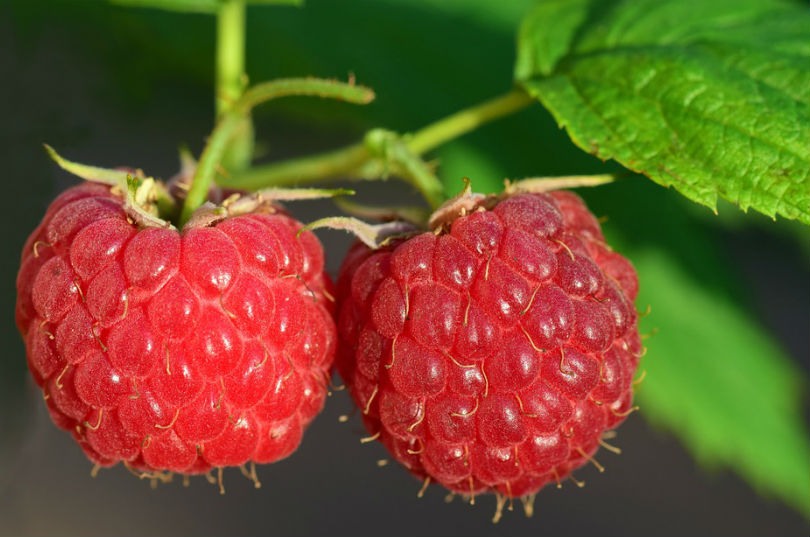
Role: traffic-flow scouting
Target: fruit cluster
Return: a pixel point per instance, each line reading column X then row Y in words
column 489, row 353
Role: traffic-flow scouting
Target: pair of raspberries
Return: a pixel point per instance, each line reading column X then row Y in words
column 489, row 354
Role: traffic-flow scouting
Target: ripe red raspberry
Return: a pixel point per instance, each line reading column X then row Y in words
column 492, row 354
column 175, row 351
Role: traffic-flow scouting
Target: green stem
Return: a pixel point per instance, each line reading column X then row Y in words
column 302, row 171
column 230, row 54
column 351, row 160
column 209, row 160
column 231, row 80
column 420, row 175
column 467, row 120
column 230, row 123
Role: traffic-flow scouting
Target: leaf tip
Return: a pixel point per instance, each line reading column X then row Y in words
column 52, row 153
column 62, row 162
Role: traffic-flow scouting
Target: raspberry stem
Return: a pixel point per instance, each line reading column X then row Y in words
column 399, row 159
column 230, row 59
column 231, row 80
column 231, row 121
column 467, row 120
column 368, row 161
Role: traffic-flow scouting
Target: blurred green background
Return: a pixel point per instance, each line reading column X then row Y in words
column 111, row 86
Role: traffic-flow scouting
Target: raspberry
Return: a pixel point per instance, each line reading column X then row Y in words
column 492, row 354
column 175, row 351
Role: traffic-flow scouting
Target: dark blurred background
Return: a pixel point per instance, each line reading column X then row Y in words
column 114, row 86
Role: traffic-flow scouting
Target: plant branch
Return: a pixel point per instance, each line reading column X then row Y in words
column 467, row 120
column 231, row 81
column 304, row 170
column 230, row 122
column 361, row 159
column 230, row 59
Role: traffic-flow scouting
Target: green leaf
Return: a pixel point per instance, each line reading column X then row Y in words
column 712, row 98
column 713, row 376
column 732, row 400
column 195, row 6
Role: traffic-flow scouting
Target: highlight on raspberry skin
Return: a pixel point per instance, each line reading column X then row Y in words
column 176, row 351
column 494, row 353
